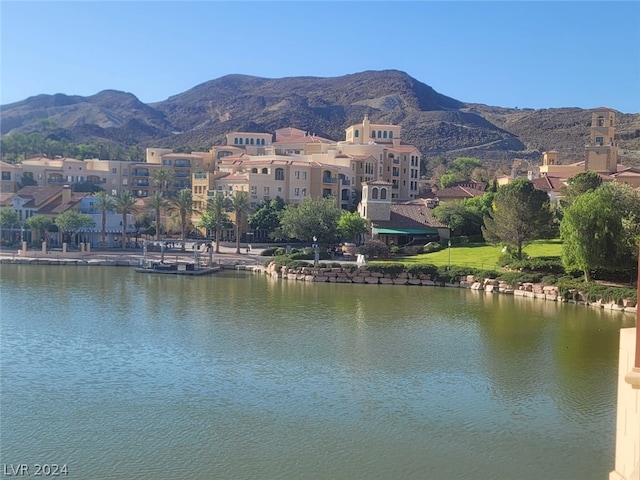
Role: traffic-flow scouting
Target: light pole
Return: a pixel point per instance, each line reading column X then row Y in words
column 316, row 252
column 449, row 245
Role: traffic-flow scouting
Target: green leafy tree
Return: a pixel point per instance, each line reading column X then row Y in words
column 27, row 180
column 40, row 224
column 520, row 215
column 182, row 204
column 578, row 184
column 125, row 204
column 266, row 216
column 157, row 203
column 240, row 207
column 461, row 218
column 105, row 203
column 351, row 226
column 311, row 218
column 8, row 217
column 462, row 168
column 72, row 221
column 600, row 229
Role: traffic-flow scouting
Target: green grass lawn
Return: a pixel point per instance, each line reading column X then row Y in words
column 479, row 255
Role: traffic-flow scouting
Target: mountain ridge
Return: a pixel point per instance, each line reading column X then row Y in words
column 201, row 116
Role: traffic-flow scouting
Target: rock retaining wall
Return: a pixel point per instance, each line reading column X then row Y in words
column 363, row 275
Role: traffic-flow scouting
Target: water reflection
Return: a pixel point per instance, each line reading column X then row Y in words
column 241, row 376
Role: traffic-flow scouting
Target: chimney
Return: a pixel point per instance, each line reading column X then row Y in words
column 66, row 194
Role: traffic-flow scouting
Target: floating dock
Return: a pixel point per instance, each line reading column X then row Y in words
column 189, row 269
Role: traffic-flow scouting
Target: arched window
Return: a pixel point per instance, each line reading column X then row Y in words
column 279, row 174
column 383, row 194
column 379, row 134
column 384, row 134
column 254, row 170
column 374, row 193
column 235, row 141
column 265, row 170
column 373, row 134
column 356, row 133
column 262, row 141
column 252, row 141
column 246, row 141
column 391, row 134
column 240, row 142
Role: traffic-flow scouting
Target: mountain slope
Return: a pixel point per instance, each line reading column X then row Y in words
column 201, row 116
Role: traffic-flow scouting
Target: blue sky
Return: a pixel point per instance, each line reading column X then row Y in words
column 511, row 54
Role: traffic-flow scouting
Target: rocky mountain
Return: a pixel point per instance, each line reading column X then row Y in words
column 200, row 117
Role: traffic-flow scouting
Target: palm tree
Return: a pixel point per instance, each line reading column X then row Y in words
column 105, row 204
column 157, row 203
column 164, row 178
column 218, row 206
column 125, row 203
column 183, row 205
column 240, row 206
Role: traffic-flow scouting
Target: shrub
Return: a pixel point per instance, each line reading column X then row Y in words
column 568, row 288
column 452, row 274
column 392, row 269
column 539, row 264
column 374, row 248
column 423, row 269
column 512, row 278
column 482, row 274
column 272, row 252
column 395, row 250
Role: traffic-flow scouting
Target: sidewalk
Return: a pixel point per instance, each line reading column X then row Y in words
column 227, row 255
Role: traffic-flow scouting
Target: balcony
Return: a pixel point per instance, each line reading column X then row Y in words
column 140, row 183
column 329, row 180
column 200, row 175
column 182, row 163
column 139, row 173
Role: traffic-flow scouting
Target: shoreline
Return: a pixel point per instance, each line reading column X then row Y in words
column 254, row 264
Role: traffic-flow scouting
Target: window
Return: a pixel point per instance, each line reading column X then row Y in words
column 254, row 170
column 379, row 134
column 252, row 141
column 6, row 175
column 384, row 134
column 235, row 141
column 374, row 194
column 114, row 170
column 599, row 141
column 383, row 193
column 254, row 190
column 266, row 190
column 304, row 192
column 373, row 134
column 246, row 141
column 304, row 175
column 356, row 133
column 265, row 171
column 279, row 174
column 391, row 134
column 240, row 142
column 296, row 192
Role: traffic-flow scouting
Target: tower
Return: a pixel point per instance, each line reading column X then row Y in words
column 376, row 201
column 601, row 153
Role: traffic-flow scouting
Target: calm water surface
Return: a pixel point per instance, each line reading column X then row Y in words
column 124, row 375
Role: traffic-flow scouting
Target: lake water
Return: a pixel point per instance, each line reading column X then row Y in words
column 237, row 376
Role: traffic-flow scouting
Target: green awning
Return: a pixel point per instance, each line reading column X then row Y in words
column 407, row 231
